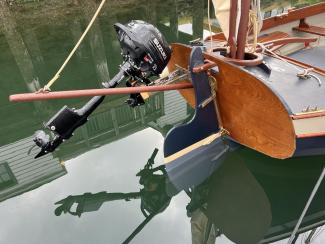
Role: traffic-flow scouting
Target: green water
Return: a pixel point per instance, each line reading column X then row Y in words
column 108, row 152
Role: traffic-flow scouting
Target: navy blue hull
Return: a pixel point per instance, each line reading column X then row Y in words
column 204, row 122
column 310, row 146
column 194, row 167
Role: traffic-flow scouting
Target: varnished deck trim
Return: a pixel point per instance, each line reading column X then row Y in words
column 307, row 115
column 310, row 126
column 194, row 146
column 311, row 135
column 293, row 15
column 316, row 30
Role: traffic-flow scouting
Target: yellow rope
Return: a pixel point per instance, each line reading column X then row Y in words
column 57, row 75
column 214, row 87
column 253, row 27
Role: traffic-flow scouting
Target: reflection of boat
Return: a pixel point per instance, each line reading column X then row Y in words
column 280, row 188
column 269, row 102
column 288, row 185
column 254, row 198
column 249, row 198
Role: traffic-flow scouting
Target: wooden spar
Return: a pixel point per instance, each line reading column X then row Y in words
column 242, row 30
column 27, row 97
column 232, row 28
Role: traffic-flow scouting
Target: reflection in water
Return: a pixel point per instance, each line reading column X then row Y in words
column 18, row 47
column 19, row 172
column 153, row 195
column 20, row 51
column 250, row 198
column 253, row 197
column 106, row 126
column 237, row 203
column 96, row 43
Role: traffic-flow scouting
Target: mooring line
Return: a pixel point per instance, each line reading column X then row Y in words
column 57, row 75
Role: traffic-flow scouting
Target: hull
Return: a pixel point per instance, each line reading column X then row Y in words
column 271, row 113
column 268, row 107
column 195, row 149
column 242, row 99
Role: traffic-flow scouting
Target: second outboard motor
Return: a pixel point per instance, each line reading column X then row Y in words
column 145, row 54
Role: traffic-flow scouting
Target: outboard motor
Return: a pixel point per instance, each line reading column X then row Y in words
column 145, row 54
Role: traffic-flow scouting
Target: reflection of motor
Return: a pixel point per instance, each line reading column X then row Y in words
column 153, row 195
column 145, row 54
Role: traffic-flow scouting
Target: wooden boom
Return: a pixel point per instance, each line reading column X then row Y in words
column 27, row 97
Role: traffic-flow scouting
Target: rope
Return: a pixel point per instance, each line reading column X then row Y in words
column 306, row 74
column 293, row 234
column 302, row 73
column 213, row 84
column 57, row 75
column 252, row 27
column 255, row 24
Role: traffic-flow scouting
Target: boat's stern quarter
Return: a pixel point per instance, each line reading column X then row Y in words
column 310, row 131
column 304, row 100
column 252, row 113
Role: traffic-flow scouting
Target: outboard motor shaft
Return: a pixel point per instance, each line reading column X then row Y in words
column 145, row 54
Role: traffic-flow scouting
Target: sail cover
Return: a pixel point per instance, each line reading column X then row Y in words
column 222, row 12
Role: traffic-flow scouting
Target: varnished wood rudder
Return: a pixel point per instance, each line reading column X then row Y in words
column 250, row 111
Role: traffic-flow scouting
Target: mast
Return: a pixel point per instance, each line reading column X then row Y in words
column 233, row 18
column 232, row 28
column 243, row 28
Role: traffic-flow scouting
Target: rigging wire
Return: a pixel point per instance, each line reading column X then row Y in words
column 302, row 73
column 209, row 23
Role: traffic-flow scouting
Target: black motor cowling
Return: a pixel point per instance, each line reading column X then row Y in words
column 145, row 54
